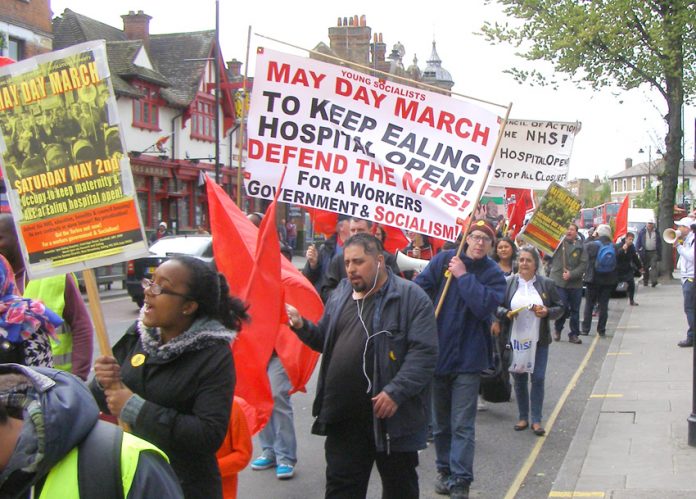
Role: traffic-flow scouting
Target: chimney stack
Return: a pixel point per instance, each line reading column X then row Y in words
column 628, row 163
column 136, row 26
column 234, row 68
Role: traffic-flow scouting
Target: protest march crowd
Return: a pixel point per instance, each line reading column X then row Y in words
column 415, row 335
column 394, row 374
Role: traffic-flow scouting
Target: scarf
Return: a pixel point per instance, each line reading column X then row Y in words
column 21, row 318
column 203, row 333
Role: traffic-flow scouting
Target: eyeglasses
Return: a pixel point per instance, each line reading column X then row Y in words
column 480, row 239
column 156, row 289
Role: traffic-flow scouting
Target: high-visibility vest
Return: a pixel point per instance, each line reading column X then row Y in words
column 62, row 480
column 51, row 291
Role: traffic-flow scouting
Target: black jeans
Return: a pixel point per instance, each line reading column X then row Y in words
column 596, row 294
column 350, row 452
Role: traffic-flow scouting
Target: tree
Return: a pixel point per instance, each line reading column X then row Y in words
column 647, row 199
column 599, row 195
column 624, row 43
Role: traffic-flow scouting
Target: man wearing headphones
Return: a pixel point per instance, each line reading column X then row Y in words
column 379, row 345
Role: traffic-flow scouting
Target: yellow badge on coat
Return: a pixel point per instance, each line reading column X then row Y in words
column 137, row 360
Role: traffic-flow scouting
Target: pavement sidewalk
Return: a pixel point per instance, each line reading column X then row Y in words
column 632, row 439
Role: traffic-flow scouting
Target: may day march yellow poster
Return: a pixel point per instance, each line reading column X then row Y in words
column 69, row 184
column 364, row 146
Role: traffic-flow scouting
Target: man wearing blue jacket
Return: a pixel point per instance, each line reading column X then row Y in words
column 465, row 347
column 379, row 344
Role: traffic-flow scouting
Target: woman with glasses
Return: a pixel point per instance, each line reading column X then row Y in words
column 531, row 302
column 172, row 376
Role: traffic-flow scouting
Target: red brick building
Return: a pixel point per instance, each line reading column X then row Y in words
column 25, row 28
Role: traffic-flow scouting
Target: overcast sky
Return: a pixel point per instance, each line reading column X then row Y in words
column 615, row 124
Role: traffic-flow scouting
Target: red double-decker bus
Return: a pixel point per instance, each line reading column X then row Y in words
column 605, row 212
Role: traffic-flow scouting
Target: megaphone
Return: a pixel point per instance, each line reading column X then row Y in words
column 670, row 236
column 408, row 263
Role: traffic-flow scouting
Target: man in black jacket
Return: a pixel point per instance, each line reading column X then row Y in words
column 379, row 344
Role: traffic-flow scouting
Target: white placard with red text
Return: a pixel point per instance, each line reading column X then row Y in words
column 364, row 146
column 534, row 154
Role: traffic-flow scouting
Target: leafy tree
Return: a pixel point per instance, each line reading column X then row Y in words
column 626, row 43
column 601, row 194
column 647, row 199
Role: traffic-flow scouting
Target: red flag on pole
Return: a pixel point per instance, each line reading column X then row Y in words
column 297, row 358
column 252, row 267
column 621, row 228
column 524, row 201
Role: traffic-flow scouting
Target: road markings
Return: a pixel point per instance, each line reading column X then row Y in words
column 558, row 493
column 529, row 462
column 619, row 353
column 606, row 395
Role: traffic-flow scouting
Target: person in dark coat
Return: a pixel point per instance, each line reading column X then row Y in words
column 378, row 342
column 649, row 247
column 543, row 304
column 598, row 285
column 49, row 422
column 466, row 349
column 627, row 262
column 172, row 375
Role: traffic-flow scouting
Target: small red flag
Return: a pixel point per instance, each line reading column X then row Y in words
column 621, row 228
column 524, row 201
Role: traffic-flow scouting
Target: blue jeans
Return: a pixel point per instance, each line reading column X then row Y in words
column 688, row 292
column 454, row 404
column 521, row 388
column 278, row 436
column 571, row 299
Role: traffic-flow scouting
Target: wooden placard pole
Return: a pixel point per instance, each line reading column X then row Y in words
column 242, row 127
column 97, row 315
column 478, row 199
column 98, row 318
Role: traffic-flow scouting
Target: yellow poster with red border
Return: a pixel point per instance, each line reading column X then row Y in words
column 549, row 223
column 69, row 183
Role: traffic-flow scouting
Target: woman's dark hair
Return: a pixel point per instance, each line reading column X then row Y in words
column 512, row 245
column 209, row 289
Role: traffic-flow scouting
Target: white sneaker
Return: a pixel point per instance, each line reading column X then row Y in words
column 481, row 405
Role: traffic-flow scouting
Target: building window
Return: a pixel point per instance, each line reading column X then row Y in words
column 643, row 183
column 624, row 185
column 16, row 49
column 616, row 186
column 203, row 118
column 633, row 183
column 146, row 109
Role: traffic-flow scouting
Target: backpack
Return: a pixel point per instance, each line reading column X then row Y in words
column 606, row 258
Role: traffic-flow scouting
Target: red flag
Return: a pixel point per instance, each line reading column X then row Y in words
column 297, row 358
column 239, row 246
column 324, row 222
column 621, row 228
column 524, row 201
column 235, row 246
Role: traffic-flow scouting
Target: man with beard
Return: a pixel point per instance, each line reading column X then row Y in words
column 379, row 346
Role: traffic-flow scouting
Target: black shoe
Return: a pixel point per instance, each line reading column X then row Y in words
column 634, row 303
column 442, row 483
column 459, row 491
column 556, row 336
column 574, row 339
column 645, row 284
column 654, row 284
column 686, row 343
column 584, row 333
column 601, row 333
